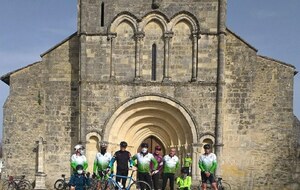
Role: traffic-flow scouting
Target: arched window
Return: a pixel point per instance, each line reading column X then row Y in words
column 153, row 76
column 102, row 14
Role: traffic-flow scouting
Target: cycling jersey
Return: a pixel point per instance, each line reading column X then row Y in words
column 184, row 183
column 101, row 162
column 143, row 162
column 78, row 160
column 208, row 162
column 171, row 164
column 122, row 158
column 187, row 162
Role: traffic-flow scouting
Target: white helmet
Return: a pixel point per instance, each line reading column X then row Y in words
column 78, row 146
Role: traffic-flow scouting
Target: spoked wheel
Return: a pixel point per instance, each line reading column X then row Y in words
column 24, row 185
column 107, row 185
column 140, row 185
column 225, row 186
column 9, row 186
column 59, row 184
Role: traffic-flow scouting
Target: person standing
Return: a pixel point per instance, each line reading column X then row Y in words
column 101, row 163
column 187, row 162
column 171, row 164
column 156, row 173
column 123, row 158
column 78, row 180
column 78, row 158
column 144, row 159
column 208, row 164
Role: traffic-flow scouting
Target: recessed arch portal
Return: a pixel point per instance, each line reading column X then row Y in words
column 145, row 116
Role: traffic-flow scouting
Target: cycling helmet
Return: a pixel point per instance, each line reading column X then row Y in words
column 123, row 144
column 78, row 146
column 185, row 170
column 144, row 145
column 206, row 146
column 103, row 144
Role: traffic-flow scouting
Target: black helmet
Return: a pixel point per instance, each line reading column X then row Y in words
column 206, row 146
column 185, row 170
column 79, row 167
column 123, row 144
column 144, row 145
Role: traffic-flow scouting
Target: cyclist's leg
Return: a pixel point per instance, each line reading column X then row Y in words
column 172, row 180
column 124, row 173
column 165, row 179
column 203, row 181
column 213, row 181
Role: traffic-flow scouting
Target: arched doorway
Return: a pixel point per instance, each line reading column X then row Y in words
column 153, row 118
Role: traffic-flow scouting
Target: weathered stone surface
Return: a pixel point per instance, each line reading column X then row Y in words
column 100, row 84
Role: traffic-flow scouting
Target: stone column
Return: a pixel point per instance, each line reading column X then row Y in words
column 111, row 37
column 196, row 152
column 40, row 176
column 194, row 56
column 139, row 36
column 167, row 38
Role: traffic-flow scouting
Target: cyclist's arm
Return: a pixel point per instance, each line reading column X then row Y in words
column 112, row 161
column 201, row 166
column 85, row 166
column 213, row 167
column 177, row 165
column 95, row 166
column 130, row 161
column 155, row 163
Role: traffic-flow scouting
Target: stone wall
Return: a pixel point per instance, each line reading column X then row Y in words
column 258, row 119
column 90, row 15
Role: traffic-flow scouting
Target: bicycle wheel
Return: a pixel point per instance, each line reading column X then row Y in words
column 108, row 185
column 140, row 185
column 59, row 184
column 24, row 185
column 9, row 185
column 225, row 186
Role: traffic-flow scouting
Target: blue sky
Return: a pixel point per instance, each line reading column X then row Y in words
column 31, row 27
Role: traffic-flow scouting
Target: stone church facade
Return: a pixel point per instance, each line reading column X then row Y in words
column 166, row 72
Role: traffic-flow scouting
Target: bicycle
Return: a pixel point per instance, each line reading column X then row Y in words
column 62, row 184
column 16, row 183
column 112, row 184
column 220, row 184
column 99, row 183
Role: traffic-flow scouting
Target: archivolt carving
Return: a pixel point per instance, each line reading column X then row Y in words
column 121, row 18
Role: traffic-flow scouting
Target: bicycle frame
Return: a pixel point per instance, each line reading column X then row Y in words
column 116, row 184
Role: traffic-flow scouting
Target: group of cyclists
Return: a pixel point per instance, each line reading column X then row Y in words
column 149, row 167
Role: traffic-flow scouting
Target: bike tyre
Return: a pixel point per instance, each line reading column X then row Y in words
column 24, row 185
column 60, row 184
column 9, row 186
column 138, row 184
column 225, row 186
column 109, row 185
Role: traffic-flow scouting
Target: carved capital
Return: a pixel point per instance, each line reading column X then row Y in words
column 139, row 35
column 168, row 35
column 110, row 36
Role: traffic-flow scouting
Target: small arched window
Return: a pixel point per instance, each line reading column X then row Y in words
column 102, row 14
column 154, row 51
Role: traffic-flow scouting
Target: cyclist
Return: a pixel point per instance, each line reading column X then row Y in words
column 101, row 162
column 184, row 181
column 144, row 158
column 123, row 157
column 187, row 162
column 78, row 158
column 155, row 173
column 208, row 164
column 78, row 180
column 171, row 164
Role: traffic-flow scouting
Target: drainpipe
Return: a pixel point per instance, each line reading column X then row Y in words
column 220, row 83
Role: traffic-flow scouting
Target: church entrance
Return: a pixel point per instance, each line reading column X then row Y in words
column 155, row 120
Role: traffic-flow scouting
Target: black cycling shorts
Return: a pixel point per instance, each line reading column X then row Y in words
column 211, row 178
